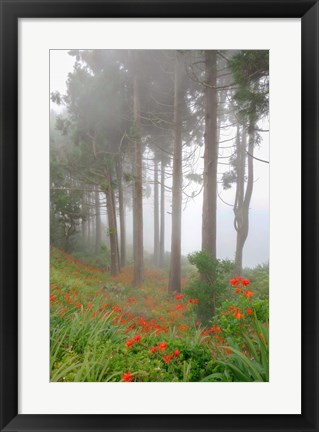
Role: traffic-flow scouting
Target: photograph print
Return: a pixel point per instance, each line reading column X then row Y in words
column 159, row 215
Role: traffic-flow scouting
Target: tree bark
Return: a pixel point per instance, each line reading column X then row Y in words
column 242, row 202
column 97, row 222
column 210, row 158
column 111, row 215
column 121, row 214
column 156, row 214
column 84, row 222
column 89, row 220
column 162, row 229
column 174, row 284
column 138, row 191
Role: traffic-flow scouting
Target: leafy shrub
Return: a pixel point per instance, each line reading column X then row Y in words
column 210, row 285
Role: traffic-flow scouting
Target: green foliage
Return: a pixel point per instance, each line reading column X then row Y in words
column 253, row 363
column 251, row 72
column 259, row 277
column 93, row 316
column 209, row 285
column 65, row 205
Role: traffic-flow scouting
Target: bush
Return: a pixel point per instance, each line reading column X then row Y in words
column 209, row 285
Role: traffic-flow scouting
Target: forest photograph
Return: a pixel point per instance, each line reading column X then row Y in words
column 159, row 215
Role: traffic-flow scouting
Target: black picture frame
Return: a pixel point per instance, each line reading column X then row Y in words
column 11, row 11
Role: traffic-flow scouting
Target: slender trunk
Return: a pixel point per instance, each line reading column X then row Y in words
column 89, row 219
column 84, row 222
column 111, row 215
column 121, row 213
column 156, row 214
column 97, row 222
column 162, row 229
column 210, row 158
column 242, row 214
column 239, row 198
column 138, row 192
column 174, row 284
column 210, row 168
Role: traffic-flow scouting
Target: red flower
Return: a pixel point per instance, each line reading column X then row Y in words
column 129, row 343
column 248, row 294
column 179, row 306
column 218, row 329
column 127, row 377
column 238, row 290
column 162, row 346
column 234, row 282
column 176, row 353
column 249, row 311
column 239, row 315
column 245, row 282
column 193, row 300
column 167, row 358
column 153, row 349
column 179, row 296
column 197, row 323
column 137, row 338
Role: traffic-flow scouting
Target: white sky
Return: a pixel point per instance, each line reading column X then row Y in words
column 256, row 250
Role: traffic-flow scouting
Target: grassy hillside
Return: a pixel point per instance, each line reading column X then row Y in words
column 102, row 329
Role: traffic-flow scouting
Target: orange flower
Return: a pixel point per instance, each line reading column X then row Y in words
column 249, row 311
column 238, row 290
column 248, row 294
column 162, row 346
column 239, row 315
column 129, row 343
column 127, row 377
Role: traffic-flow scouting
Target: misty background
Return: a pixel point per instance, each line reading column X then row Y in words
column 256, row 250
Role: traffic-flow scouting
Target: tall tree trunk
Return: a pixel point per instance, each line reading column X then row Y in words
column 156, row 214
column 111, row 215
column 162, row 228
column 174, row 284
column 121, row 213
column 138, row 191
column 210, row 168
column 97, row 221
column 89, row 219
column 242, row 214
column 239, row 197
column 210, row 158
column 84, row 222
